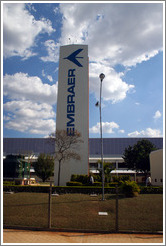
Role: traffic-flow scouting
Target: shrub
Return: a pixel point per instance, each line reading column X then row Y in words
column 26, row 188
column 84, row 179
column 129, row 188
column 113, row 184
column 75, row 189
column 73, row 177
column 121, row 178
column 8, row 182
column 151, row 190
column 97, row 184
column 97, row 177
column 72, row 183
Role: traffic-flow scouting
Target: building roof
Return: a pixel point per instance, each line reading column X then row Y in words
column 116, row 146
column 123, row 172
column 27, row 146
column 111, row 146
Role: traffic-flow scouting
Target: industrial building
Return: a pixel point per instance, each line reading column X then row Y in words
column 113, row 149
column 156, row 167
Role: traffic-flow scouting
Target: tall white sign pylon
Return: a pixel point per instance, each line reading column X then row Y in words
column 73, row 106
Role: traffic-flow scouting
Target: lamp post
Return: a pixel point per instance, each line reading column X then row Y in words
column 101, row 76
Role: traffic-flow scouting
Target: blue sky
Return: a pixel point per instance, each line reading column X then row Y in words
column 125, row 42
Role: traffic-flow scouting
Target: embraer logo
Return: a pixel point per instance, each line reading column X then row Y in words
column 73, row 57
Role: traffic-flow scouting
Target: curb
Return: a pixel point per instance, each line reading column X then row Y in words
column 80, row 230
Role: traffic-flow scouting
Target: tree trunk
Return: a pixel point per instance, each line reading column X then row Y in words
column 59, row 172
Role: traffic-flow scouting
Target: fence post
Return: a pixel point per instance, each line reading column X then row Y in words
column 117, row 214
column 49, row 205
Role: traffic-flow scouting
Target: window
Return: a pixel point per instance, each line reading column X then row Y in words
column 161, row 180
column 155, row 180
column 99, row 165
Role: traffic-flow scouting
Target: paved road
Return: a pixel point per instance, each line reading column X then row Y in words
column 22, row 236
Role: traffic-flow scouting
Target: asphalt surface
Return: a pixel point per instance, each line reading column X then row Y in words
column 27, row 236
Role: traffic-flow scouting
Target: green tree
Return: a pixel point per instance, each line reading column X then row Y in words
column 108, row 167
column 65, row 147
column 44, row 166
column 137, row 157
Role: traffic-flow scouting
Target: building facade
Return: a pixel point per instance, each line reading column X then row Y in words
column 17, row 167
column 156, row 167
column 113, row 149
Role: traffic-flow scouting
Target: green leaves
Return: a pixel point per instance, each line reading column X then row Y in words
column 44, row 166
column 129, row 188
column 137, row 157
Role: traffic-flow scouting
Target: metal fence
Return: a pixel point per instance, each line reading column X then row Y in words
column 84, row 212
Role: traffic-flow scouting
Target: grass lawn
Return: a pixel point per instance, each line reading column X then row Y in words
column 80, row 211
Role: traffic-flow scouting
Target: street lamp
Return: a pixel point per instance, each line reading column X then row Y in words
column 101, row 76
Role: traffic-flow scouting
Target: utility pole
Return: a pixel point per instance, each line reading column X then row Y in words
column 49, row 205
column 101, row 76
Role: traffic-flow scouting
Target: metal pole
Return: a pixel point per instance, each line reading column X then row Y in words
column 117, row 214
column 49, row 205
column 101, row 144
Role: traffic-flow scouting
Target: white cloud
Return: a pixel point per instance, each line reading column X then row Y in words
column 149, row 132
column 21, row 29
column 114, row 88
column 107, row 127
column 43, row 73
column 121, row 131
column 56, row 10
column 116, row 33
column 30, row 108
column 119, row 33
column 31, row 7
column 30, row 117
column 37, row 126
column 157, row 115
column 53, row 51
column 6, row 118
column 20, row 86
column 49, row 77
column 44, row 127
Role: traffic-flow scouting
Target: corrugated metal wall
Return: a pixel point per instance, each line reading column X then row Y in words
column 111, row 146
